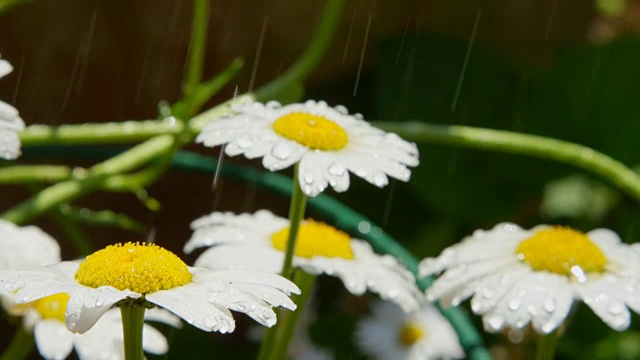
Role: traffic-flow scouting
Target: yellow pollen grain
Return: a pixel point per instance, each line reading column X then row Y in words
column 140, row 267
column 410, row 334
column 51, row 307
column 316, row 239
column 315, row 132
column 559, row 249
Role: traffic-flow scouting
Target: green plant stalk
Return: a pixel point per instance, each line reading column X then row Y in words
column 296, row 214
column 20, row 174
column 297, row 208
column 288, row 320
column 546, row 347
column 566, row 152
column 71, row 189
column 312, row 55
column 21, row 346
column 197, row 47
column 132, row 324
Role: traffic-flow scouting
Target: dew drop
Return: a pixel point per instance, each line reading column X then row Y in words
column 549, row 305
column 379, row 180
column 308, row 178
column 99, row 302
column 244, row 142
column 281, row 151
column 495, row 323
column 616, row 308
column 515, row 304
column 337, row 169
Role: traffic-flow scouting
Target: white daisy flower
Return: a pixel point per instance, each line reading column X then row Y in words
column 26, row 245
column 326, row 141
column 258, row 241
column 147, row 272
column 390, row 334
column 45, row 318
column 10, row 122
column 519, row 276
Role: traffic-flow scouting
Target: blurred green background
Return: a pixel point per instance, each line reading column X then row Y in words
column 565, row 69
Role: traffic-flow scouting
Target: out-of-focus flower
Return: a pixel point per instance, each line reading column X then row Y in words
column 519, row 276
column 390, row 334
column 45, row 317
column 147, row 272
column 10, row 122
column 326, row 141
column 258, row 241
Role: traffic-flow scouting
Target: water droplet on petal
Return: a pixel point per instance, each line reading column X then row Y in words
column 244, row 142
column 616, row 308
column 99, row 302
column 308, row 178
column 514, row 304
column 282, row 151
column 495, row 323
column 337, row 169
column 549, row 305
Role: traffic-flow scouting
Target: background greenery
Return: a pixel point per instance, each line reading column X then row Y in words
column 564, row 69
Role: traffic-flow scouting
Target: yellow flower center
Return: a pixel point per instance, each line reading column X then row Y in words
column 409, row 334
column 51, row 307
column 315, row 132
column 560, row 250
column 316, row 239
column 143, row 268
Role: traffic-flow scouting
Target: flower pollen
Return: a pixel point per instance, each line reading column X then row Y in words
column 316, row 239
column 559, row 250
column 410, row 334
column 51, row 307
column 315, row 132
column 143, row 268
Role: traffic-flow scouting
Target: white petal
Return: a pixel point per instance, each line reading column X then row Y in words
column 381, row 274
column 318, row 170
column 282, row 155
column 153, row 341
column 5, row 67
column 260, row 278
column 191, row 303
column 53, row 339
column 86, row 305
column 163, row 316
column 26, row 246
column 605, row 296
column 228, row 257
column 542, row 298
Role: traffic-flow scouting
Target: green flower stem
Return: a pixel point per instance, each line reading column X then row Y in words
column 132, row 324
column 21, row 174
column 297, row 208
column 537, row 146
column 20, row 347
column 311, row 57
column 106, row 133
column 65, row 191
column 546, row 348
column 296, row 214
column 198, row 46
column 287, row 321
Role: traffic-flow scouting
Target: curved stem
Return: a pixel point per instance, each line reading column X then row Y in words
column 71, row 189
column 198, row 45
column 20, row 347
column 537, row 146
column 546, row 348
